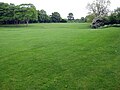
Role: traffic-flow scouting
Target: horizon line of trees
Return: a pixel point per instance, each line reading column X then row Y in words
column 16, row 14
column 27, row 13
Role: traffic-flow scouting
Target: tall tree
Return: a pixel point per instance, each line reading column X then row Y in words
column 56, row 17
column 117, row 11
column 43, row 17
column 28, row 12
column 99, row 7
column 114, row 18
column 70, row 16
column 9, row 13
column 5, row 12
column 83, row 19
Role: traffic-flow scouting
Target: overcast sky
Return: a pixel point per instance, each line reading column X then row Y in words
column 77, row 7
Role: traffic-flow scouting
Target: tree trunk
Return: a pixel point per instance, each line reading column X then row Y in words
column 27, row 22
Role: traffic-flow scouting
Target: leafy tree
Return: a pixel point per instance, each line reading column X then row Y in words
column 70, row 16
column 18, row 14
column 99, row 7
column 5, row 12
column 114, row 18
column 90, row 17
column 83, row 19
column 55, row 17
column 28, row 12
column 10, row 14
column 117, row 12
column 43, row 17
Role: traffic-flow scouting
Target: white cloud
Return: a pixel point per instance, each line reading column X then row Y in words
column 77, row 7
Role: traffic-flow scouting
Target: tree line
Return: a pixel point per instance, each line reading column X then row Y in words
column 27, row 13
column 16, row 14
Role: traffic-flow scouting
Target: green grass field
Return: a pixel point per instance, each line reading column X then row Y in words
column 59, row 57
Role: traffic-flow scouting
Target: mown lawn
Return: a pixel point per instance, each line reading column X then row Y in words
column 59, row 57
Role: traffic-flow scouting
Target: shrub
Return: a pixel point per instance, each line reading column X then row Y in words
column 97, row 22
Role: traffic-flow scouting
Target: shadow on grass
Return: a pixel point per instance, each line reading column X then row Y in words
column 15, row 25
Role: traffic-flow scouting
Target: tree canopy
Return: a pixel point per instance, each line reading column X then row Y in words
column 55, row 17
column 70, row 16
column 43, row 17
column 99, row 7
column 10, row 14
column 26, row 13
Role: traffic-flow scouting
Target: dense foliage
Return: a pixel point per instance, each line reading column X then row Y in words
column 70, row 16
column 27, row 13
column 114, row 18
column 15, row 14
column 55, row 17
column 99, row 14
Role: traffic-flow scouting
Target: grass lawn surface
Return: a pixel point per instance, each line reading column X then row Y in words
column 59, row 57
